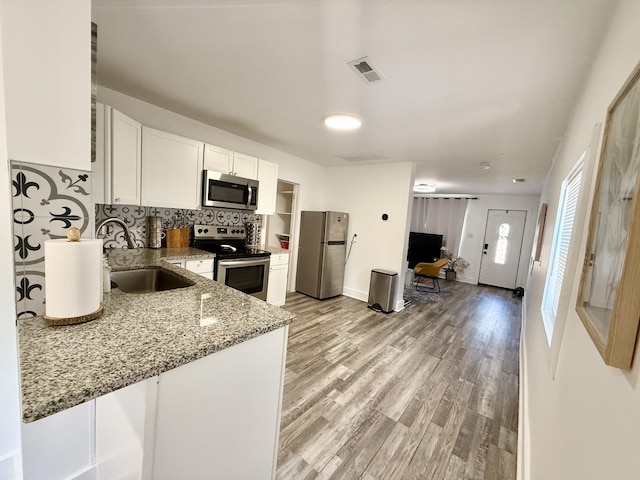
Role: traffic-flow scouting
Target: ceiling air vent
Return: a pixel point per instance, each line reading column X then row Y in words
column 365, row 157
column 366, row 70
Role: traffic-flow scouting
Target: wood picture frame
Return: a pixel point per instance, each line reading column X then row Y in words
column 608, row 300
column 542, row 216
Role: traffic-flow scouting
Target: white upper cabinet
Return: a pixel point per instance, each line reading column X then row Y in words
column 229, row 162
column 245, row 166
column 218, row 159
column 125, row 155
column 171, row 170
column 268, row 184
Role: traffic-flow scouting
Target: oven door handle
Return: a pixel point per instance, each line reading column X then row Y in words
column 244, row 262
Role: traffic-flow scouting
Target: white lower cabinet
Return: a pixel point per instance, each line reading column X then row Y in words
column 59, row 446
column 219, row 417
column 203, row 267
column 277, row 287
column 120, row 432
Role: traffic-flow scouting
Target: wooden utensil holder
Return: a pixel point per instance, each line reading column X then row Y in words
column 178, row 238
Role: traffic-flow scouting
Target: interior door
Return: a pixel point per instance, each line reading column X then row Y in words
column 502, row 247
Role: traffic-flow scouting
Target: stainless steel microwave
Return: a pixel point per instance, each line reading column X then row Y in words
column 228, row 191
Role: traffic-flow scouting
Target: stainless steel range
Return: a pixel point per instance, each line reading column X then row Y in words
column 237, row 266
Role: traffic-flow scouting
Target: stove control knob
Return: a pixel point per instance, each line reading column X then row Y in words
column 206, row 230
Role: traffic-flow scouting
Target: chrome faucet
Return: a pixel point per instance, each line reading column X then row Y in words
column 127, row 233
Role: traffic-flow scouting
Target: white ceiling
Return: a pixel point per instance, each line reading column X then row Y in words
column 466, row 81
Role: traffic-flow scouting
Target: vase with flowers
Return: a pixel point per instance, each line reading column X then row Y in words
column 455, row 264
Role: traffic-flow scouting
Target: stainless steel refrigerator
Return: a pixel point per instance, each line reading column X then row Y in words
column 322, row 249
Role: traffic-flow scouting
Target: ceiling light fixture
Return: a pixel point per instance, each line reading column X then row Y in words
column 342, row 122
column 424, row 188
column 485, row 165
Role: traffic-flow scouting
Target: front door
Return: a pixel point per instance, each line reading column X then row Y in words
column 502, row 246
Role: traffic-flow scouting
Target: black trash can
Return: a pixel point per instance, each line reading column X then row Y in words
column 382, row 290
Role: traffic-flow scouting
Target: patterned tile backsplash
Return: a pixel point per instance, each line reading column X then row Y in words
column 136, row 218
column 48, row 200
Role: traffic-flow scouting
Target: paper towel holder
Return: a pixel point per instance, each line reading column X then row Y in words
column 73, row 235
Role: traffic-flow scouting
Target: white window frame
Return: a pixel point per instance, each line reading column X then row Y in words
column 554, row 291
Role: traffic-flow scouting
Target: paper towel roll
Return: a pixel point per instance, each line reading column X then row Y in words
column 72, row 275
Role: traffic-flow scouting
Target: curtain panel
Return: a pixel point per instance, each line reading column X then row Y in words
column 443, row 216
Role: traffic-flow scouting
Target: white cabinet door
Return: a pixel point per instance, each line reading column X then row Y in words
column 61, row 445
column 218, row 159
column 203, row 267
column 171, row 168
column 229, row 162
column 120, row 431
column 245, row 166
column 126, row 148
column 277, row 288
column 219, row 417
column 268, row 178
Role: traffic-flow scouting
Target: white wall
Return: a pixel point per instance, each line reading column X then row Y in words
column 366, row 192
column 46, row 53
column 309, row 176
column 9, row 389
column 476, row 222
column 48, row 72
column 584, row 423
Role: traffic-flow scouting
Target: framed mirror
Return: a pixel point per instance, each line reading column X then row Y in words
column 542, row 215
column 609, row 295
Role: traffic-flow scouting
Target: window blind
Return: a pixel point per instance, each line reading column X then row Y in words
column 560, row 249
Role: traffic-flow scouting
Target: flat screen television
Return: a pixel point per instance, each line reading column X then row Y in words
column 423, row 247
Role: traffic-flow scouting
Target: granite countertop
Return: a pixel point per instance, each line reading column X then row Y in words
column 137, row 337
column 276, row 250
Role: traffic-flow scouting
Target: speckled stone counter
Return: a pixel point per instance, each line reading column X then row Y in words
column 277, row 250
column 138, row 336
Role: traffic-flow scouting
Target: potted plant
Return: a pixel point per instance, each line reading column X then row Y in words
column 456, row 264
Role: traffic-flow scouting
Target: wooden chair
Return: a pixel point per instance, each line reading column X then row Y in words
column 423, row 270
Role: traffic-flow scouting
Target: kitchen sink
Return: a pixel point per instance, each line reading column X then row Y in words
column 149, row 279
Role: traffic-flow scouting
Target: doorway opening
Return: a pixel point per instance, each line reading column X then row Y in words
column 280, row 227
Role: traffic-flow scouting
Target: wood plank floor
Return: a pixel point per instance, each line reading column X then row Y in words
column 427, row 393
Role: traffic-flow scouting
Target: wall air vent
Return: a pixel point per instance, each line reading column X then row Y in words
column 365, row 157
column 366, row 70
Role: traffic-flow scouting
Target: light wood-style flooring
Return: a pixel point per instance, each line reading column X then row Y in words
column 427, row 393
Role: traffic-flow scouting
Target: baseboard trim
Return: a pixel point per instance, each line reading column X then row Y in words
column 522, row 458
column 357, row 294
column 10, row 466
column 470, row 280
